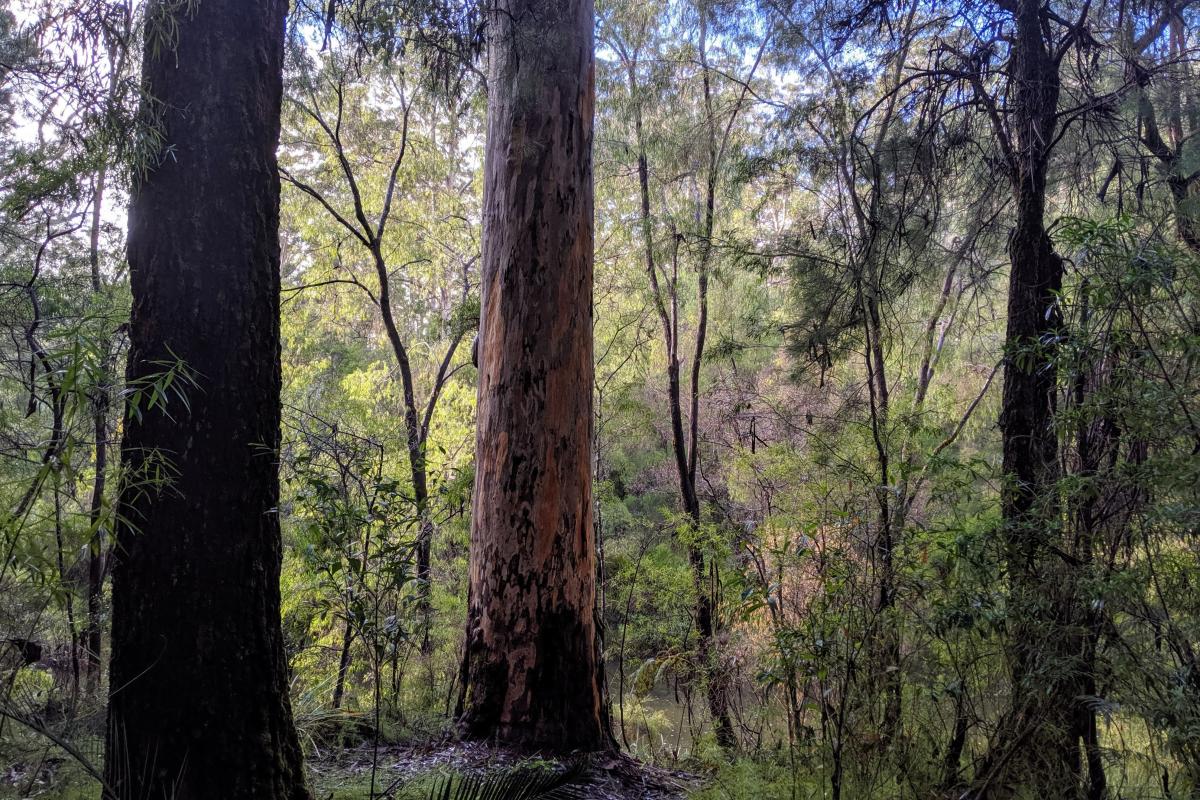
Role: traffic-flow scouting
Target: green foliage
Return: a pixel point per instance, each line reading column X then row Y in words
column 521, row 783
column 849, row 463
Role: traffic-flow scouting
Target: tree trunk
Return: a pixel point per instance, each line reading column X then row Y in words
column 199, row 703
column 414, row 439
column 1039, row 740
column 685, row 458
column 708, row 592
column 530, row 676
column 1187, row 221
column 101, row 402
column 339, row 688
column 118, row 55
column 1175, row 76
column 886, row 637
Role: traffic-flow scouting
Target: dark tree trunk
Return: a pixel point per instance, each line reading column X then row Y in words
column 952, row 760
column 93, row 630
column 1187, row 222
column 415, row 436
column 886, row 644
column 530, row 675
column 683, row 447
column 1039, row 742
column 707, row 580
column 198, row 684
column 1168, row 145
column 1184, row 184
column 339, row 688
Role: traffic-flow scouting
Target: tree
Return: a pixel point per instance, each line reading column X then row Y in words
column 1159, row 68
column 115, row 38
column 198, row 684
column 699, row 171
column 1040, row 735
column 371, row 259
column 530, row 672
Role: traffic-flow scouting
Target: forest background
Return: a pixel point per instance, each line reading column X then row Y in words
column 824, row 570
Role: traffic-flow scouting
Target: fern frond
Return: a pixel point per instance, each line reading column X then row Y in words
column 521, row 783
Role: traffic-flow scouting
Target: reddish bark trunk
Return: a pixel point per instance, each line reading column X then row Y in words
column 530, row 673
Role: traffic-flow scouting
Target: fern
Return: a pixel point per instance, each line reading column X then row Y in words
column 522, row 783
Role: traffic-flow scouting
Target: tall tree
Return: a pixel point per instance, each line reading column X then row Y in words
column 689, row 239
column 116, row 38
column 530, row 672
column 373, row 226
column 1040, row 735
column 198, row 685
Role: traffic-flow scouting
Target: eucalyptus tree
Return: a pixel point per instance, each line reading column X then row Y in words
column 198, row 692
column 1018, row 70
column 530, row 675
column 1042, row 734
column 386, row 162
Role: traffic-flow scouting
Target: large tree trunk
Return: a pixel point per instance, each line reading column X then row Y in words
column 530, row 676
column 198, row 685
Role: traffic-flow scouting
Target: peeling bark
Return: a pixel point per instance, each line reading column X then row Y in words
column 530, row 674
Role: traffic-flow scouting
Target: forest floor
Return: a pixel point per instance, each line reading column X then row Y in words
column 345, row 774
column 407, row 771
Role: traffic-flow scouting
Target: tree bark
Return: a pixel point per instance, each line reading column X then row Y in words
column 1039, row 739
column 530, row 676
column 101, row 402
column 339, row 688
column 199, row 703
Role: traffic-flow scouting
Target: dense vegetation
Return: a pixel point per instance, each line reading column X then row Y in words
column 891, row 482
